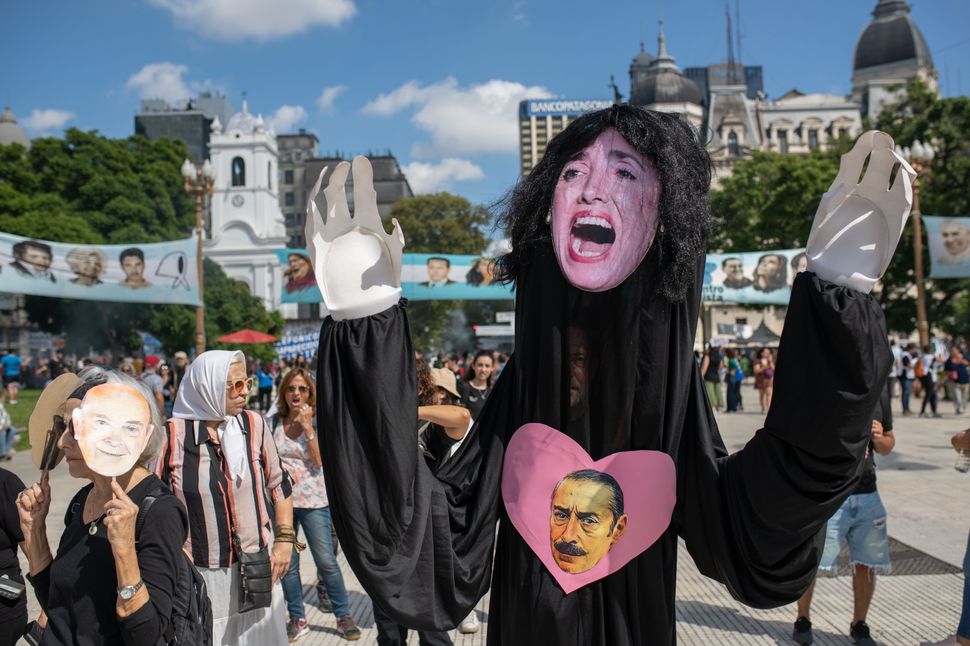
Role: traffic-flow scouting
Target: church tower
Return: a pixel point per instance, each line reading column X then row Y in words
column 246, row 225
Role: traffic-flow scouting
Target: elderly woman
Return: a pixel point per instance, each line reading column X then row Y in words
column 295, row 433
column 221, row 461
column 87, row 263
column 106, row 585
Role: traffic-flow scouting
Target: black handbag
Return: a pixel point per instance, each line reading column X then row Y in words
column 256, row 580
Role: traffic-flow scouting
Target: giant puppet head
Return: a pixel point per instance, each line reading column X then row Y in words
column 611, row 187
column 112, row 427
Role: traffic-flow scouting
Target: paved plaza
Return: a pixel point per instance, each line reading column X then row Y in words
column 920, row 600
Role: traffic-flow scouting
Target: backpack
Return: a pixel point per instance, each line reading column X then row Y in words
column 191, row 621
column 920, row 371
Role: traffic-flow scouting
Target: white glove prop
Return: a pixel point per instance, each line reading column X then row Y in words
column 356, row 262
column 858, row 224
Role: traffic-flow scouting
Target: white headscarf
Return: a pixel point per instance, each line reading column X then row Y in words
column 202, row 396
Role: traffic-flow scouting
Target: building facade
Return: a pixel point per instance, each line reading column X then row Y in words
column 295, row 151
column 390, row 182
column 190, row 123
column 542, row 119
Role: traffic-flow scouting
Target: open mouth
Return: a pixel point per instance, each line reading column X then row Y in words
column 590, row 237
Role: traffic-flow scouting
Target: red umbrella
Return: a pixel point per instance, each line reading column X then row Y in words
column 246, row 336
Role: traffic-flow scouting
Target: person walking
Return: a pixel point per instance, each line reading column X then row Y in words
column 12, row 366
column 294, row 431
column 710, row 370
column 733, row 379
column 764, row 377
column 860, row 522
column 958, row 379
column 475, row 388
column 926, row 372
column 264, row 381
column 906, row 377
column 222, row 462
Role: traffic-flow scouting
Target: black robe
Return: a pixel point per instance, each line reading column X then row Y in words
column 421, row 543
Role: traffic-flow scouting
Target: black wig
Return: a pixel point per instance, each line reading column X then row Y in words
column 682, row 165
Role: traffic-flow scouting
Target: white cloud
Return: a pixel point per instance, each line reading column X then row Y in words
column 286, row 117
column 469, row 120
column 41, row 120
column 328, row 96
column 234, row 20
column 160, row 81
column 430, row 178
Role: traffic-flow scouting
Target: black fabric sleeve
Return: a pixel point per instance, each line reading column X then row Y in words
column 755, row 520
column 420, row 545
column 159, row 543
column 41, row 582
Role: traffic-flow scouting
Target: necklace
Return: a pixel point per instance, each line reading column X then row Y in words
column 93, row 525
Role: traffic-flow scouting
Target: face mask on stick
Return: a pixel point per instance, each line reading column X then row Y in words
column 112, row 427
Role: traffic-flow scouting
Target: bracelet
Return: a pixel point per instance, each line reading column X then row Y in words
column 297, row 545
column 311, row 437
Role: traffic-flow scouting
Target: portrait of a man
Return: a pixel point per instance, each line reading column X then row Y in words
column 587, row 519
column 112, row 426
column 133, row 264
column 734, row 277
column 438, row 269
column 956, row 242
column 32, row 259
column 87, row 264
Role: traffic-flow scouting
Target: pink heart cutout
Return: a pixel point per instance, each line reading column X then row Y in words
column 538, row 457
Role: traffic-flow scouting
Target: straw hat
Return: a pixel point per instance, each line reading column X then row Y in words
column 445, row 379
column 41, row 424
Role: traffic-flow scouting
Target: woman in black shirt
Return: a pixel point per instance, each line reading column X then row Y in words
column 13, row 612
column 104, row 586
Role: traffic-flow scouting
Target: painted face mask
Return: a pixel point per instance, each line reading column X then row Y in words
column 604, row 213
column 112, row 427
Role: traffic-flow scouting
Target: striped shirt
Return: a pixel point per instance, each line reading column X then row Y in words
column 194, row 467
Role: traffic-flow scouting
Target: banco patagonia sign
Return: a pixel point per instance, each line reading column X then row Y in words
column 551, row 107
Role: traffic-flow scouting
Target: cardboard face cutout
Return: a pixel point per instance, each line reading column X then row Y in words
column 48, row 421
column 584, row 519
column 604, row 213
column 112, row 427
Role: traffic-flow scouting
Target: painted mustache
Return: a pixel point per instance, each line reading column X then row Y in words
column 569, row 549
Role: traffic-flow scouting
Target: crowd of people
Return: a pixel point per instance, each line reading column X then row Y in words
column 237, row 490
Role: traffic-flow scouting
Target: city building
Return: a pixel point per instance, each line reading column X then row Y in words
column 390, row 182
column 190, row 123
column 295, row 151
column 662, row 87
column 800, row 123
column 245, row 222
column 721, row 74
column 10, row 132
column 542, row 119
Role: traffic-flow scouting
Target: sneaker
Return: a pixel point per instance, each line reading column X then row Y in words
column 802, row 634
column 347, row 628
column 296, row 628
column 322, row 598
column 470, row 624
column 859, row 632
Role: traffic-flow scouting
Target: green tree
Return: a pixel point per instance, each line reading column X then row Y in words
column 921, row 114
column 88, row 189
column 438, row 223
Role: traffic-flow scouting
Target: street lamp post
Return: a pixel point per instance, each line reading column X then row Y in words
column 198, row 184
column 919, row 157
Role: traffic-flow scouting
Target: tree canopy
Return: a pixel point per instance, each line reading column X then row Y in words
column 86, row 188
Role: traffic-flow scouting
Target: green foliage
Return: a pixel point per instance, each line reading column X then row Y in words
column 86, row 188
column 439, row 223
column 922, row 115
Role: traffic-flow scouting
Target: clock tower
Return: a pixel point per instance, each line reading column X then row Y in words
column 246, row 225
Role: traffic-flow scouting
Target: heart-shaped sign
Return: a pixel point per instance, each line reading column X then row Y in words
column 585, row 519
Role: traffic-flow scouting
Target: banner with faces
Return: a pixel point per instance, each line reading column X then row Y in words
column 949, row 243
column 756, row 277
column 164, row 272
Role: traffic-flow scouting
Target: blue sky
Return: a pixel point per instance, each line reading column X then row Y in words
column 435, row 81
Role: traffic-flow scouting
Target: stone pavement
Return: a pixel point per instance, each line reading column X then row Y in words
column 928, row 520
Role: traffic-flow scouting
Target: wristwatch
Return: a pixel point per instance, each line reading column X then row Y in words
column 311, row 437
column 128, row 591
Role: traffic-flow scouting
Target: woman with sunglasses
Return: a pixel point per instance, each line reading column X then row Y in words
column 106, row 585
column 294, row 430
column 222, row 462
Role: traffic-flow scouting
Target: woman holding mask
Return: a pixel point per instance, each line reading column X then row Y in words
column 104, row 587
column 221, row 461
column 296, row 438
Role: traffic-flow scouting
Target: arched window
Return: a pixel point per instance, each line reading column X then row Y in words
column 238, row 171
column 733, row 149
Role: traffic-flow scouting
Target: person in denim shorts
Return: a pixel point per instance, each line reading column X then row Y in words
column 861, row 523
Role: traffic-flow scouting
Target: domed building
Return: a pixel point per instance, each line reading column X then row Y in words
column 662, row 87
column 890, row 51
column 10, row 132
column 639, row 67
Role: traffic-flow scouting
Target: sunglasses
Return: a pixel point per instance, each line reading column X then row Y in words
column 241, row 385
column 298, row 389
